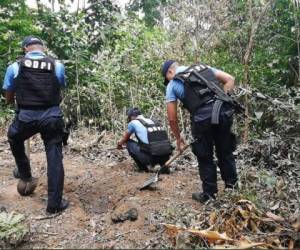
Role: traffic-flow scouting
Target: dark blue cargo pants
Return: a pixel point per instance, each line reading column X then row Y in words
column 49, row 123
column 220, row 137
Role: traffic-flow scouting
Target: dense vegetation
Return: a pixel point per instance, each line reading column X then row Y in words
column 113, row 56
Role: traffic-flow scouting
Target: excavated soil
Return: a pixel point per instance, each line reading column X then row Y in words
column 96, row 190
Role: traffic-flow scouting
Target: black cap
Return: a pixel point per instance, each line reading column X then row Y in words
column 29, row 40
column 164, row 69
column 133, row 112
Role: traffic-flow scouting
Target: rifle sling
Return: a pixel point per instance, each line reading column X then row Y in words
column 216, row 111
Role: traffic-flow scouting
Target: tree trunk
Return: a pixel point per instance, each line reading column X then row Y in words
column 78, row 91
column 297, row 25
column 246, row 63
column 39, row 5
column 77, row 11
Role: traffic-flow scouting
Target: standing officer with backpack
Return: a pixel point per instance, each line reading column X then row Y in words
column 35, row 80
column 153, row 146
column 203, row 92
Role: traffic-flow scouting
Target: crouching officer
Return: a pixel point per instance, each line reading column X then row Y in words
column 203, row 92
column 153, row 146
column 35, row 80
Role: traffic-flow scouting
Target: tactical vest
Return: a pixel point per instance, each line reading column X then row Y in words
column 159, row 143
column 37, row 86
column 196, row 92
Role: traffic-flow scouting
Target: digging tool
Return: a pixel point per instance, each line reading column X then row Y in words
column 155, row 178
column 27, row 148
column 113, row 148
column 108, row 149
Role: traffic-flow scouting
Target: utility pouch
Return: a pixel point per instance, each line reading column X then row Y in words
column 160, row 148
column 159, row 143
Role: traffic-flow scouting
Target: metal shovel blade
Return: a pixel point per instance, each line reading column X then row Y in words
column 151, row 181
column 155, row 178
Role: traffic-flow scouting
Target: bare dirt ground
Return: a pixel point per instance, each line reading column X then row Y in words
column 101, row 183
column 96, row 190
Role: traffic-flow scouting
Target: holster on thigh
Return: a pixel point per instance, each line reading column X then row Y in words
column 52, row 130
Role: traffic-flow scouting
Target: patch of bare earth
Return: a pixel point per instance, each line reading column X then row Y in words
column 96, row 189
column 102, row 184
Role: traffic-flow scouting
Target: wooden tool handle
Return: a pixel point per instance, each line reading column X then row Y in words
column 176, row 155
column 112, row 148
column 109, row 149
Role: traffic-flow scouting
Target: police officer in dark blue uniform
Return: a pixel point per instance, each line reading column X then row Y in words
column 211, row 121
column 153, row 146
column 35, row 81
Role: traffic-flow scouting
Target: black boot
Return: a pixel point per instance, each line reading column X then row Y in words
column 164, row 170
column 63, row 205
column 202, row 197
column 27, row 186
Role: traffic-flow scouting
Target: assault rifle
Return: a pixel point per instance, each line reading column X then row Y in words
column 220, row 94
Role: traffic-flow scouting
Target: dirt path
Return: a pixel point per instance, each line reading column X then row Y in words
column 96, row 191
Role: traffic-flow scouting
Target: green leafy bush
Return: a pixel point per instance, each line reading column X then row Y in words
column 12, row 229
